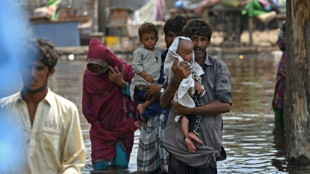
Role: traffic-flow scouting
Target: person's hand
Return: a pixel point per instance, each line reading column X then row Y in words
column 149, row 78
column 152, row 91
column 175, row 64
column 115, row 76
column 179, row 109
column 181, row 71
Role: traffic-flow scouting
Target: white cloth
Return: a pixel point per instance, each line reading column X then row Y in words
column 54, row 142
column 182, row 96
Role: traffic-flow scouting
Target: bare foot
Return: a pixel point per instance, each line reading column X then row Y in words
column 193, row 136
column 191, row 147
column 138, row 124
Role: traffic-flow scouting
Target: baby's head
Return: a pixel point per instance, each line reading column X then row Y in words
column 185, row 49
column 148, row 35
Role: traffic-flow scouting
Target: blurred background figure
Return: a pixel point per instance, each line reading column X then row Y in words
column 264, row 10
column 197, row 7
column 14, row 30
column 279, row 92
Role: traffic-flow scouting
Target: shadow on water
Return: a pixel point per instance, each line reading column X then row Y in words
column 249, row 136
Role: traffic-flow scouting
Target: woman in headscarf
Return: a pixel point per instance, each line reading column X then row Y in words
column 107, row 106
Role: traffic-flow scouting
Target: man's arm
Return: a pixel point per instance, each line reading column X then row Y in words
column 222, row 94
column 73, row 148
column 215, row 108
column 180, row 72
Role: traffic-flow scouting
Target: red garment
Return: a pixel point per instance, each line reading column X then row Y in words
column 105, row 106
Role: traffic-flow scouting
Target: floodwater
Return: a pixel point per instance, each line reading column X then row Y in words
column 249, row 136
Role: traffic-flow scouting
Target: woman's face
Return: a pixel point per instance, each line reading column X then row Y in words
column 98, row 69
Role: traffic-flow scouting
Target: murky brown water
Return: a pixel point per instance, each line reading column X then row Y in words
column 251, row 143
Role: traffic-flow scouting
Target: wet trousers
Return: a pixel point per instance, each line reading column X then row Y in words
column 120, row 160
column 177, row 167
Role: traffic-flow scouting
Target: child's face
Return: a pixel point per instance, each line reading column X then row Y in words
column 149, row 40
column 185, row 50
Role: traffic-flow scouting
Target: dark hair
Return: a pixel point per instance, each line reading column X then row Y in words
column 175, row 24
column 198, row 27
column 47, row 55
column 147, row 28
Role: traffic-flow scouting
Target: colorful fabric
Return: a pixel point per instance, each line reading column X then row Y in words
column 54, row 142
column 252, row 9
column 258, row 7
column 120, row 160
column 152, row 156
column 105, row 106
column 280, row 84
column 278, row 98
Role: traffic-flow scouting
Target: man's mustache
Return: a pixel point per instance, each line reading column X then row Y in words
column 198, row 49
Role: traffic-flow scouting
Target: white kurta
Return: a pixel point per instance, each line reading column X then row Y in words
column 54, row 143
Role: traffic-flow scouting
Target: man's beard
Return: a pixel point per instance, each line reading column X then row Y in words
column 33, row 91
column 200, row 54
column 36, row 90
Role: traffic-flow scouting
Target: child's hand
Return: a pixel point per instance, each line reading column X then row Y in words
column 149, row 78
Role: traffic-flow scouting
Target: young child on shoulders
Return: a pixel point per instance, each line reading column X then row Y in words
column 190, row 88
column 146, row 63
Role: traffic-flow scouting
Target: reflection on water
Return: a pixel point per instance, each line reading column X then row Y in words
column 248, row 129
column 251, row 143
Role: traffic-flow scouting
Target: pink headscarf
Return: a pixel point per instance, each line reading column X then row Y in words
column 105, row 106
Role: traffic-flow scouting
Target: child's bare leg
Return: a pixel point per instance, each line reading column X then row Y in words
column 198, row 88
column 142, row 106
column 138, row 124
column 191, row 147
column 193, row 136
